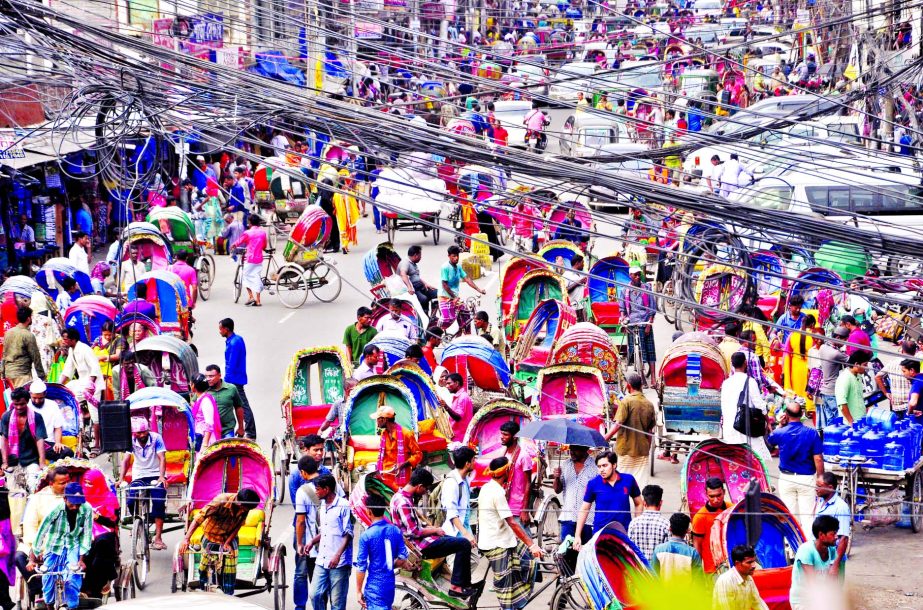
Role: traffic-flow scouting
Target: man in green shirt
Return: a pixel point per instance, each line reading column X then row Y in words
column 356, row 336
column 849, row 387
column 230, row 407
column 20, row 352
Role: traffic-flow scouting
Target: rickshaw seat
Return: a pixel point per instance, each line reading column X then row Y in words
column 251, row 534
column 432, row 443
column 606, row 313
column 70, row 442
column 307, row 419
column 177, row 467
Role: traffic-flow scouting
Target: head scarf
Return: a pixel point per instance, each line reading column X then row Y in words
column 100, row 270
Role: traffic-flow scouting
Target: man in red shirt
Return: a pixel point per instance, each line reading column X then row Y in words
column 188, row 275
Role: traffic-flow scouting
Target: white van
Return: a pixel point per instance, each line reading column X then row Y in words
column 572, row 78
column 511, row 114
column 586, row 135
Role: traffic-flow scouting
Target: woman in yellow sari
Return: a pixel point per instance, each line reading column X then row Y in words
column 346, row 208
column 796, row 361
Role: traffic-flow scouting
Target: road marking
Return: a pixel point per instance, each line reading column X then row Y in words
column 286, row 318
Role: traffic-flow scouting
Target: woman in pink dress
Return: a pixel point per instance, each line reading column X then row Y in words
column 254, row 239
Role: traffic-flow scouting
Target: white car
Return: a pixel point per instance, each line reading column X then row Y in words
column 572, row 78
column 511, row 114
column 590, row 135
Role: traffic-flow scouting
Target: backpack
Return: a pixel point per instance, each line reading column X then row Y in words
column 434, row 512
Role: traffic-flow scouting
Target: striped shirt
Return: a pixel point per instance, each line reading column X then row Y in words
column 648, row 530
column 55, row 535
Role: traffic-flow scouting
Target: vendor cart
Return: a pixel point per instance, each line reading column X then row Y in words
column 870, row 492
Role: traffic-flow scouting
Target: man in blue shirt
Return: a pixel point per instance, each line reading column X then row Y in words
column 830, row 503
column 676, row 560
column 381, row 550
column 235, row 370
column 791, row 319
column 801, row 459
column 311, row 446
column 612, row 492
column 911, row 370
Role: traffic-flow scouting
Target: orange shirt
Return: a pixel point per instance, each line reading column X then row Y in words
column 701, row 528
column 412, row 454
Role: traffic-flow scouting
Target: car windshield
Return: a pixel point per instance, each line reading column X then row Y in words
column 776, row 198
column 642, row 78
column 596, row 137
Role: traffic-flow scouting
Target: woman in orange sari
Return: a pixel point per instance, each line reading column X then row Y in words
column 796, row 361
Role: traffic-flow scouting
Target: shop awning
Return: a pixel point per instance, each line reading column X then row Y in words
column 21, row 148
column 273, row 64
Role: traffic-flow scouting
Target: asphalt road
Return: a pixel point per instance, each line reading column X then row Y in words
column 273, row 334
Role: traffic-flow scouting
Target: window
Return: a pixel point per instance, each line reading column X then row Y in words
column 837, row 200
column 779, row 198
column 596, row 137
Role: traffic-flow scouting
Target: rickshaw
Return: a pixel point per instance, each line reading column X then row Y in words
column 574, row 391
column 780, row 536
column 53, row 272
column 510, row 275
column 88, row 314
column 817, row 285
column 611, row 568
column 606, row 286
column 433, row 425
column 97, row 488
column 379, row 264
column 735, row 464
column 227, row 466
column 769, row 281
column 719, row 287
column 533, row 288
column 358, row 453
column 282, row 192
column 586, row 343
column 533, row 349
column 167, row 292
column 314, row 381
column 582, row 213
column 410, row 200
column 310, row 231
column 17, row 291
column 483, row 369
column 172, row 361
column 483, row 434
column 154, row 249
column 559, row 249
column 170, row 416
column 690, row 377
column 178, row 227
column 393, row 347
column 73, row 434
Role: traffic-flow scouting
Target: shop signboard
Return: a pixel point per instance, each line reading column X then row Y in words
column 368, row 31
column 11, row 145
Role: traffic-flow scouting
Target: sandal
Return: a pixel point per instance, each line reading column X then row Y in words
column 158, row 545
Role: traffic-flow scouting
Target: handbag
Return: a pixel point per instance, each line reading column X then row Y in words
column 757, row 419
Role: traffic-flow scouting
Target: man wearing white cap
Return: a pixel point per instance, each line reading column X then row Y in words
column 54, row 421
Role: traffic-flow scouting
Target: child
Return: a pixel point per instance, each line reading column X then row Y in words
column 381, row 549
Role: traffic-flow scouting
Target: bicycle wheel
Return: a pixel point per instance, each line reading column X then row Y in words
column 325, row 282
column 204, row 276
column 292, row 287
column 140, row 552
column 239, row 279
column 279, row 586
column 669, row 305
column 406, row 598
column 436, row 230
column 548, row 535
column 569, row 595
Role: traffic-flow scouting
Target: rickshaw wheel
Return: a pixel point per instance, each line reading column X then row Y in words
column 406, row 598
column 436, row 230
column 292, row 287
column 279, row 583
column 569, row 595
column 126, row 589
column 392, row 228
column 278, row 472
column 204, row 275
column 325, row 282
column 548, row 534
column 915, row 495
column 141, row 553
column 238, row 280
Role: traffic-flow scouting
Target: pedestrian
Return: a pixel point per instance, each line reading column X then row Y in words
column 235, row 370
column 735, row 589
column 68, row 292
column 433, row 542
column 731, row 173
column 230, row 407
column 702, row 521
column 461, row 410
column 358, row 334
column 395, row 323
column 205, row 413
column 503, row 541
column 815, row 570
column 571, row 479
column 792, row 319
column 849, row 390
column 737, row 390
column 20, row 352
column 633, row 430
column 639, row 306
column 131, row 270
column 856, row 336
column 832, row 359
column 911, row 370
column 410, row 273
column 522, row 456
column 892, row 382
column 371, row 357
column 255, row 240
column 79, row 254
column 450, row 306
column 306, row 528
column 334, row 544
column 831, row 504
column 455, row 496
column 730, row 343
column 613, row 493
column 381, row 550
column 650, row 528
column 433, row 340
column 676, row 561
column 801, row 460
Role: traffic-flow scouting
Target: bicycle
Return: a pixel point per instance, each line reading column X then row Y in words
column 140, row 520
column 464, row 319
column 61, row 577
column 292, row 281
column 634, row 352
column 212, row 573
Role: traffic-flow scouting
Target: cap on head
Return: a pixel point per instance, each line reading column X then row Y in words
column 384, row 411
column 37, row 387
column 139, row 424
column 73, row 493
column 634, row 268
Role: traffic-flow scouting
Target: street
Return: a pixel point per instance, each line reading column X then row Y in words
column 273, row 333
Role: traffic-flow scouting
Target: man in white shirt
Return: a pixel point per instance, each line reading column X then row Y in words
column 371, row 355
column 79, row 254
column 279, row 144
column 731, row 174
column 54, row 421
column 456, row 496
column 730, row 395
column 131, row 270
column 396, row 323
column 82, row 374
